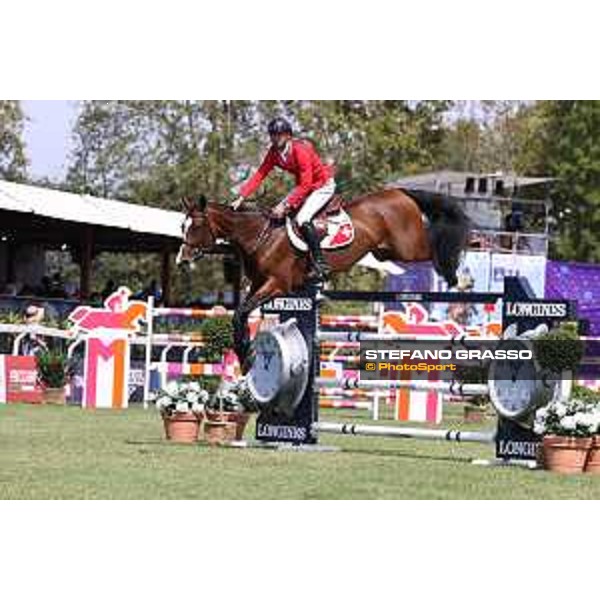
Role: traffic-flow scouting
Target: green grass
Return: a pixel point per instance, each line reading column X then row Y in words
column 51, row 452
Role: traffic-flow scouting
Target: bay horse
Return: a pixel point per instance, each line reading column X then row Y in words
column 392, row 224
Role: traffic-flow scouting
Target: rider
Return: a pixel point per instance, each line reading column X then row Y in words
column 315, row 185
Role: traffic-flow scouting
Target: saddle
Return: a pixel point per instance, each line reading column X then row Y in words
column 333, row 207
column 333, row 224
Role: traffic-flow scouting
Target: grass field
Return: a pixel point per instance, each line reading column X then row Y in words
column 49, row 452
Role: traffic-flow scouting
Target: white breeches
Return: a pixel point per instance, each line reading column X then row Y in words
column 315, row 202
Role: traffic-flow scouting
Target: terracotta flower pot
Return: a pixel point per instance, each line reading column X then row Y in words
column 182, row 427
column 565, row 454
column 240, row 420
column 54, row 396
column 593, row 462
column 217, row 432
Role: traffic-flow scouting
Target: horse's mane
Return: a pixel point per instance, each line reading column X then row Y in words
column 250, row 209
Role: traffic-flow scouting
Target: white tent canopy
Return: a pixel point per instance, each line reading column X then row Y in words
column 90, row 210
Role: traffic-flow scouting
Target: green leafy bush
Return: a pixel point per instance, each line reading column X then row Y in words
column 53, row 368
column 217, row 333
column 560, row 349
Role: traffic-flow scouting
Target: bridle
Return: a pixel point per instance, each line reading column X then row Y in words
column 198, row 253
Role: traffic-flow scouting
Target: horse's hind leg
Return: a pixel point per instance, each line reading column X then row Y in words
column 383, row 254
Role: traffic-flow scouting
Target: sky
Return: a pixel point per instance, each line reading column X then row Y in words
column 47, row 135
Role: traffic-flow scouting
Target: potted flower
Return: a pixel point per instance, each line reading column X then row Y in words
column 567, row 427
column 181, row 405
column 231, row 404
column 592, row 400
column 53, row 374
column 245, row 405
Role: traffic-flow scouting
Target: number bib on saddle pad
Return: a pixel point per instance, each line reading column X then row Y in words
column 338, row 228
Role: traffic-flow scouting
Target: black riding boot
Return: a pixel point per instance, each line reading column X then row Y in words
column 320, row 266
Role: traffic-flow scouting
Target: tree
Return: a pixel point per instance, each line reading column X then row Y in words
column 567, row 134
column 13, row 163
column 372, row 142
column 155, row 153
column 484, row 136
column 560, row 139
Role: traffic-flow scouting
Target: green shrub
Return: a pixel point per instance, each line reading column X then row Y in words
column 560, row 349
column 217, row 333
column 53, row 368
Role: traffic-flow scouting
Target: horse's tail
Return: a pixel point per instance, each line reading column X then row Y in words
column 448, row 231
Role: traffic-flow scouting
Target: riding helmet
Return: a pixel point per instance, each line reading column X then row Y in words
column 279, row 125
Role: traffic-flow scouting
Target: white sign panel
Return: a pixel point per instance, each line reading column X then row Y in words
column 533, row 268
column 2, row 380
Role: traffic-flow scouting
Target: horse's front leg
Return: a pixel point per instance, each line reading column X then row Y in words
column 241, row 336
column 241, row 333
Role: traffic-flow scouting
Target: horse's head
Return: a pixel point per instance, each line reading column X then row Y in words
column 197, row 234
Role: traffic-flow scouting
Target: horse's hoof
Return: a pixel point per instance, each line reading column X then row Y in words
column 318, row 277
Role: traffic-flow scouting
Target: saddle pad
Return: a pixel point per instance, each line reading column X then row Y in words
column 340, row 232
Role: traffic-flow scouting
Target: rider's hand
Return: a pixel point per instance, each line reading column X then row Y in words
column 237, row 202
column 279, row 212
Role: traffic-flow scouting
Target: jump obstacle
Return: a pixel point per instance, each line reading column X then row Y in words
column 191, row 342
column 513, row 441
column 107, row 336
column 339, row 335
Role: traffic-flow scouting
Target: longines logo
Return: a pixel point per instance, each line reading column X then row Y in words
column 289, row 304
column 518, row 448
column 558, row 310
column 284, row 432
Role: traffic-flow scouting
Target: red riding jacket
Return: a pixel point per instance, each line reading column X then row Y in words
column 302, row 161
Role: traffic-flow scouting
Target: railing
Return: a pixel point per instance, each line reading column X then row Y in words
column 510, row 242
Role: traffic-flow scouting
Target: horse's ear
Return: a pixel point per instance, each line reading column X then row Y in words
column 201, row 202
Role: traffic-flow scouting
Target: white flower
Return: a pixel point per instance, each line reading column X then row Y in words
column 595, row 417
column 197, row 408
column 569, row 423
column 182, row 407
column 195, row 386
column 172, row 388
column 560, row 409
column 203, row 396
column 583, row 419
column 539, row 428
column 590, row 421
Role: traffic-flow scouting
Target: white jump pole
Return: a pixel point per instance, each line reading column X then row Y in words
column 149, row 331
column 369, row 336
column 449, row 435
column 460, row 389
